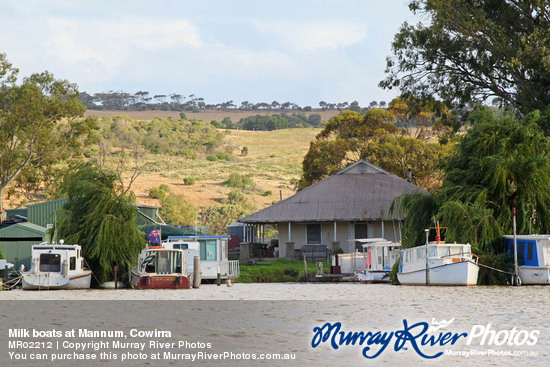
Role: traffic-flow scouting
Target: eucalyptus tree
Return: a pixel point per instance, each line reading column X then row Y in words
column 472, row 51
column 374, row 137
column 40, row 124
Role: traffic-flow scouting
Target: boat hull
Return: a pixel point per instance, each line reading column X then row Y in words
column 158, row 281
column 56, row 281
column 534, row 275
column 370, row 277
column 463, row 273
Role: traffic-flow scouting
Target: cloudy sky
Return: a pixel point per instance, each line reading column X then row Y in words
column 301, row 51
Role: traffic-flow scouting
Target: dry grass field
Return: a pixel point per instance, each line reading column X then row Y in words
column 274, row 158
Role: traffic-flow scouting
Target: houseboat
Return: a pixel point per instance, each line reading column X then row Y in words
column 213, row 253
column 380, row 255
column 438, row 263
column 533, row 256
column 160, row 268
column 57, row 266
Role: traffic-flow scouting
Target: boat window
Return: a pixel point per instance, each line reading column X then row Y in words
column 50, row 262
column 163, row 262
column 530, row 251
column 432, row 251
column 521, row 250
column 72, row 264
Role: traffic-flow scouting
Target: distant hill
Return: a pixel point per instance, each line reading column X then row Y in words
column 209, row 115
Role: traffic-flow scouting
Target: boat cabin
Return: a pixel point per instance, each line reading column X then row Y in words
column 533, row 255
column 438, row 254
column 381, row 254
column 56, row 258
column 162, row 261
column 213, row 252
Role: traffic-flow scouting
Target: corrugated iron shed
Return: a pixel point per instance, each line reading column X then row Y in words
column 17, row 241
column 360, row 192
column 44, row 213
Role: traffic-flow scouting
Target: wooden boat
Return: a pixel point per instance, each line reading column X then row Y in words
column 438, row 263
column 533, row 257
column 57, row 266
column 161, row 268
column 380, row 255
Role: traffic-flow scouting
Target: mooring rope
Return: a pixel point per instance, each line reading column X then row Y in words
column 495, row 269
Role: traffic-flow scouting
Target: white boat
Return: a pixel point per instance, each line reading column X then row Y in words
column 380, row 255
column 57, row 266
column 438, row 263
column 533, row 257
column 212, row 251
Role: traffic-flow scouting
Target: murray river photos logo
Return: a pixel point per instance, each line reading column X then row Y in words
column 420, row 337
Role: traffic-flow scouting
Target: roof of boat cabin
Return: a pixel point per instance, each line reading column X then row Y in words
column 359, row 192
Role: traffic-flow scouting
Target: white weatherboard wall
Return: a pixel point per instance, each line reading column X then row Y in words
column 345, row 231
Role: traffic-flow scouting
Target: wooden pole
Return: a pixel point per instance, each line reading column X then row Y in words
column 129, row 274
column 305, row 267
column 516, row 269
column 219, row 282
column 196, row 271
column 116, row 276
column 427, row 264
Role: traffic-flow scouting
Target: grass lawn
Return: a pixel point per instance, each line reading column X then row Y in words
column 276, row 271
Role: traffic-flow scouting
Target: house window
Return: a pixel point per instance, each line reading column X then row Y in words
column 361, row 230
column 314, row 234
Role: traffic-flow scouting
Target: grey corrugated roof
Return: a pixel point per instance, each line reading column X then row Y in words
column 360, row 192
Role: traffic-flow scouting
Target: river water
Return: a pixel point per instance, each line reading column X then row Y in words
column 474, row 325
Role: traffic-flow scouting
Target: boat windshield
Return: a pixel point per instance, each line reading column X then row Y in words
column 168, row 262
column 50, row 262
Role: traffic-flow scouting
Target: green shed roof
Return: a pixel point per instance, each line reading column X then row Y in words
column 22, row 230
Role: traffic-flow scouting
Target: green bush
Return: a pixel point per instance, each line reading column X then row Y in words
column 239, row 181
column 159, row 192
column 220, row 156
column 189, row 181
column 186, row 153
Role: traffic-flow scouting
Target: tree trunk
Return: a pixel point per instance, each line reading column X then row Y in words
column 1, row 203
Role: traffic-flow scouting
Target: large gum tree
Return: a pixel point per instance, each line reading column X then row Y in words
column 31, row 115
column 468, row 51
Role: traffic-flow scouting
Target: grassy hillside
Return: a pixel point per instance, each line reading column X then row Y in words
column 274, row 158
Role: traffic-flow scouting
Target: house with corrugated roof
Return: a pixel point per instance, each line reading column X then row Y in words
column 353, row 203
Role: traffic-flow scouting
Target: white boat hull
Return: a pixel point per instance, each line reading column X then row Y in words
column 534, row 275
column 458, row 273
column 46, row 281
column 368, row 277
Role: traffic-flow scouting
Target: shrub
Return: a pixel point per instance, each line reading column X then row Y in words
column 239, row 181
column 220, row 156
column 159, row 192
column 176, row 210
column 186, row 153
column 189, row 181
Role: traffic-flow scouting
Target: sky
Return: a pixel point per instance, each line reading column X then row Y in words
column 301, row 51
